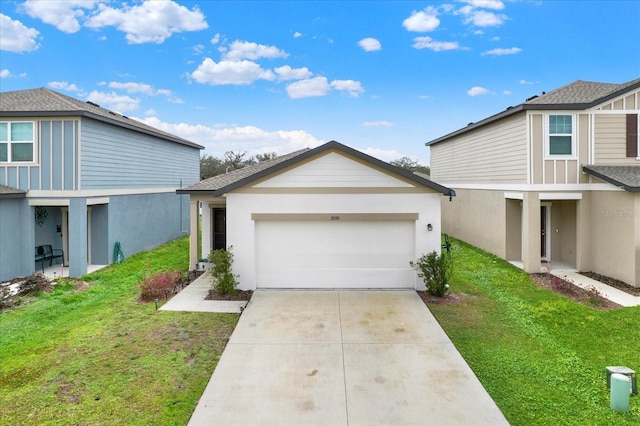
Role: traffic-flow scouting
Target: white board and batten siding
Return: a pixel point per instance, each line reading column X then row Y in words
column 332, row 222
column 495, row 153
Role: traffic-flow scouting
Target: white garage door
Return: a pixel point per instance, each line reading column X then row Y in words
column 334, row 254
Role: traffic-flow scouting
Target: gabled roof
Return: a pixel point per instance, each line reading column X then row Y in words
column 222, row 184
column 625, row 177
column 44, row 102
column 9, row 192
column 579, row 95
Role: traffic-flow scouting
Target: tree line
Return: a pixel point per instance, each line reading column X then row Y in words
column 212, row 166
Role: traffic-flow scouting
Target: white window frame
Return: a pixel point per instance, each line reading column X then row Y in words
column 9, row 142
column 547, row 137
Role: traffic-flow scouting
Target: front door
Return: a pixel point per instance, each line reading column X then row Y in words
column 545, row 235
column 219, row 228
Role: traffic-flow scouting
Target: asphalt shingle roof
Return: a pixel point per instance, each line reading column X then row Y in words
column 626, row 177
column 220, row 181
column 579, row 95
column 581, row 92
column 10, row 192
column 221, row 184
column 45, row 102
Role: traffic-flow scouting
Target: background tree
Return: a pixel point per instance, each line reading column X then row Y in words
column 410, row 165
column 212, row 166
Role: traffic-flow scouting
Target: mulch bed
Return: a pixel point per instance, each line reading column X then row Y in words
column 239, row 295
column 448, row 299
column 612, row 282
column 587, row 297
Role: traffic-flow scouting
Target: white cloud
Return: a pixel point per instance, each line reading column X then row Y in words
column 220, row 138
column 307, row 88
column 502, row 52
column 481, row 18
column 216, row 39
column 486, row 4
column 114, row 101
column 297, row 34
column 248, row 50
column 383, row 154
column 422, row 21
column 287, row 73
column 150, row 21
column 525, row 82
column 63, row 85
column 5, row 73
column 370, row 44
column 381, row 123
column 230, row 72
column 64, row 15
column 16, row 37
column 506, row 92
column 477, row 90
column 353, row 87
column 436, row 46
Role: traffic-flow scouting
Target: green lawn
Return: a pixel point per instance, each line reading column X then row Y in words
column 99, row 357
column 540, row 356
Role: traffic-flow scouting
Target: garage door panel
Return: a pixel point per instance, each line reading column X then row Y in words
column 333, row 254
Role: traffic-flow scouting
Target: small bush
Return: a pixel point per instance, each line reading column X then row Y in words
column 224, row 281
column 436, row 271
column 159, row 285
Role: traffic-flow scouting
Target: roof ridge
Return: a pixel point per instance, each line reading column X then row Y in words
column 64, row 98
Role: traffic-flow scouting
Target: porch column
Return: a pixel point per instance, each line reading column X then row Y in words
column 77, row 237
column 636, row 213
column 531, row 238
column 583, row 232
column 194, row 228
column 206, row 242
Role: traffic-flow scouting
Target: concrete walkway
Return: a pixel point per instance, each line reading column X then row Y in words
column 191, row 299
column 618, row 296
column 342, row 358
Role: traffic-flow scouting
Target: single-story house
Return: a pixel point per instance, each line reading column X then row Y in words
column 80, row 178
column 328, row 217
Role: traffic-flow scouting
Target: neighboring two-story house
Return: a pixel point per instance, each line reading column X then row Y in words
column 80, row 178
column 555, row 179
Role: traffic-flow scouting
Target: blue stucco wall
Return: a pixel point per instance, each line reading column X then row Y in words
column 141, row 222
column 16, row 239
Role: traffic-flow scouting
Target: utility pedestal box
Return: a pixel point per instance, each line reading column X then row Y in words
column 631, row 374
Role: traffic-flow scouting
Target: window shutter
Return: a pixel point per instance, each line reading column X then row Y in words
column 632, row 135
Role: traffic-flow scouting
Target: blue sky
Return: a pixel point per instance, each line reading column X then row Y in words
column 383, row 77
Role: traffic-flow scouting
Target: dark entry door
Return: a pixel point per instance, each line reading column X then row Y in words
column 219, row 229
column 543, row 232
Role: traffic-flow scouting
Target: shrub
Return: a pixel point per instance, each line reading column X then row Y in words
column 224, row 280
column 159, row 285
column 435, row 270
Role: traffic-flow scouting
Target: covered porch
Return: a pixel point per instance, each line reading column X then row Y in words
column 208, row 224
column 546, row 230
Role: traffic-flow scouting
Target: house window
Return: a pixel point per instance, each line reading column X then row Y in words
column 16, row 141
column 560, row 135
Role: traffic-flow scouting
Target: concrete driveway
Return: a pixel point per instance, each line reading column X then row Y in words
column 342, row 358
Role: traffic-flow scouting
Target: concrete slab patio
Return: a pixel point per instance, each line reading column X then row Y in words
column 342, row 358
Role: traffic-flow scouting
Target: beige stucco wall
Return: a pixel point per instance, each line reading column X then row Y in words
column 563, row 231
column 474, row 156
column 477, row 217
column 614, row 235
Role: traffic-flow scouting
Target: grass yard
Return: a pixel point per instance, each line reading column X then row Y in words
column 99, row 357
column 540, row 356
